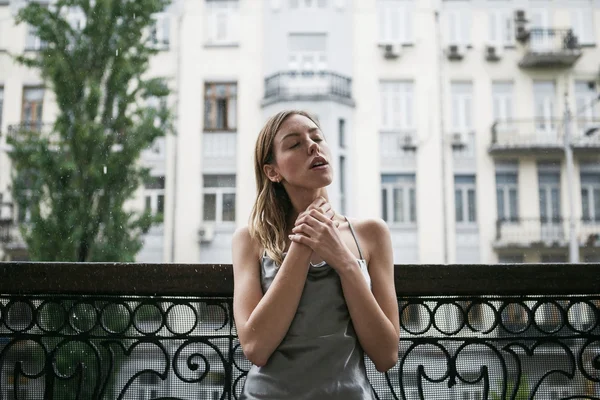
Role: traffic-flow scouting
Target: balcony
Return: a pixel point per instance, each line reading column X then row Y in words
column 84, row 331
column 544, row 233
column 530, row 136
column 308, row 86
column 17, row 132
column 549, row 48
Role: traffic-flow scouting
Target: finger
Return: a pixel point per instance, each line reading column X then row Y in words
column 305, row 230
column 301, row 239
column 318, row 202
column 309, row 220
column 319, row 217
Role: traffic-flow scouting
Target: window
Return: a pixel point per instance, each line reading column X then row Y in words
column 220, row 107
column 222, row 22
column 459, row 26
column 507, row 195
column 397, row 106
column 502, row 30
column 587, row 112
column 461, row 98
column 590, row 196
column 549, row 192
column 308, row 4
column 31, row 111
column 154, row 193
column 341, row 129
column 502, row 97
column 219, row 198
column 398, row 196
column 582, row 23
column 544, row 94
column 395, row 21
column 308, row 52
column 465, row 202
column 32, row 41
column 160, row 31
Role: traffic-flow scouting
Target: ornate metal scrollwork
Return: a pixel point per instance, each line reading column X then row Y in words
column 100, row 347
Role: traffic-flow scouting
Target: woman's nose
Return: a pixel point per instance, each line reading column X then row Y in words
column 314, row 147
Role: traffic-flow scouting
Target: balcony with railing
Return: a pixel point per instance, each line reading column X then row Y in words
column 530, row 136
column 307, row 86
column 106, row 331
column 549, row 48
column 545, row 233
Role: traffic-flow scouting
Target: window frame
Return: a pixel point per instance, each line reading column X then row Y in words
column 215, row 98
column 219, row 193
column 465, row 188
column 406, row 183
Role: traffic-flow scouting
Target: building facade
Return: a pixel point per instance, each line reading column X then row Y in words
column 446, row 118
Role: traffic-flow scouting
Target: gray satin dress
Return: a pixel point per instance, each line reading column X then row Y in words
column 320, row 356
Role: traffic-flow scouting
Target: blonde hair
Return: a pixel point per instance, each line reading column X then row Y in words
column 269, row 216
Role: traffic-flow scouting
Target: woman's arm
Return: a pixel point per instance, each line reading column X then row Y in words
column 263, row 321
column 374, row 314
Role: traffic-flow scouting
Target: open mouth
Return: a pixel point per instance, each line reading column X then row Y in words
column 318, row 162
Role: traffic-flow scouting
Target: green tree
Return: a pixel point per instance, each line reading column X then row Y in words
column 75, row 177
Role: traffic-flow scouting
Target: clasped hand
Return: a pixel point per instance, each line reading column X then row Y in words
column 316, row 229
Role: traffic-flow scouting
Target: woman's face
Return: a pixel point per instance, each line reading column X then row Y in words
column 302, row 155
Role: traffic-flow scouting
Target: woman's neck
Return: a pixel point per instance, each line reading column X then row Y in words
column 301, row 200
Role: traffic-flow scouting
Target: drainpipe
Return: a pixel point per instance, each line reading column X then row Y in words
column 442, row 133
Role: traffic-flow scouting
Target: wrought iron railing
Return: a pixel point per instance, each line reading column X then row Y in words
column 552, row 40
column 544, row 133
column 135, row 331
column 307, row 84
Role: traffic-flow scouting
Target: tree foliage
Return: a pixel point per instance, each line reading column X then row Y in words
column 75, row 177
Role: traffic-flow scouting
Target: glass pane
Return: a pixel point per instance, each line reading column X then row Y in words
column 458, row 204
column 219, row 181
column 585, row 204
column 148, row 203
column 384, row 205
column 229, row 207
column 514, row 204
column 160, row 204
column 543, row 205
column 500, row 203
column 398, row 205
column 555, row 204
column 210, row 207
column 472, row 205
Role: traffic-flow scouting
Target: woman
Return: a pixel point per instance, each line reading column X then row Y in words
column 311, row 289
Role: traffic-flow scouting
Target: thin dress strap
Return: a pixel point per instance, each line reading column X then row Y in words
column 355, row 238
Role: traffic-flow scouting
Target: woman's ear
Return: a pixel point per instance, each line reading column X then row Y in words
column 271, row 173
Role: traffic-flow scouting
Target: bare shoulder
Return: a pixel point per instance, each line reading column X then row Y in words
column 245, row 245
column 373, row 234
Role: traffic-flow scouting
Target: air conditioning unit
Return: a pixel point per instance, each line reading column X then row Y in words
column 520, row 16
column 206, row 233
column 391, row 51
column 458, row 141
column 493, row 52
column 408, row 142
column 456, row 52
